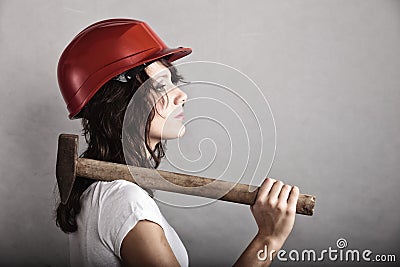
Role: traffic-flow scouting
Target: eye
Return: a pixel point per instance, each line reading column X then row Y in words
column 160, row 86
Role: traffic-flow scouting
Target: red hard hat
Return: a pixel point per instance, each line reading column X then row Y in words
column 102, row 51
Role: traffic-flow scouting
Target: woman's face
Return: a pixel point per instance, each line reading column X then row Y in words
column 168, row 118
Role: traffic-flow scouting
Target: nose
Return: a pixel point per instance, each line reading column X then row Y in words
column 180, row 97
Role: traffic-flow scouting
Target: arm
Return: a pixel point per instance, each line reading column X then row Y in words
column 274, row 211
column 146, row 245
column 249, row 255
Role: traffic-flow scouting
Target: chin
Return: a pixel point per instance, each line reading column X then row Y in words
column 179, row 132
column 182, row 131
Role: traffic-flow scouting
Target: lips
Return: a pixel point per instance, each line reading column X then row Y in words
column 179, row 116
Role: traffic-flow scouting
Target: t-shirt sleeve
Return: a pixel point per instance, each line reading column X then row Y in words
column 123, row 205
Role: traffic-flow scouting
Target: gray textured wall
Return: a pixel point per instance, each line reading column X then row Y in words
column 330, row 70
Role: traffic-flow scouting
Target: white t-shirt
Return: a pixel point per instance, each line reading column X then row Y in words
column 109, row 211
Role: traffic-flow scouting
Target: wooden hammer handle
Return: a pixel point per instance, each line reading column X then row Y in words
column 180, row 183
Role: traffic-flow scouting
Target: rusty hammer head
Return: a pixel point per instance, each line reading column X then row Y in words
column 67, row 157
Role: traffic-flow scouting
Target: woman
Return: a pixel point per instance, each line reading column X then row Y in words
column 118, row 222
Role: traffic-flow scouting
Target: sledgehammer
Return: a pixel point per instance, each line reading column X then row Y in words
column 69, row 165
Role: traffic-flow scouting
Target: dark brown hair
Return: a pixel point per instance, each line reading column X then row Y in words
column 103, row 122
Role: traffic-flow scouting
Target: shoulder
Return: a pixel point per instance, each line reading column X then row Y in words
column 112, row 202
column 121, row 198
column 121, row 205
column 120, row 185
column 117, row 190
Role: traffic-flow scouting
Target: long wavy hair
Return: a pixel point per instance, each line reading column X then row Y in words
column 102, row 126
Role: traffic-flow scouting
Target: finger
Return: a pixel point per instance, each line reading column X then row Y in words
column 284, row 194
column 294, row 195
column 265, row 188
column 275, row 190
